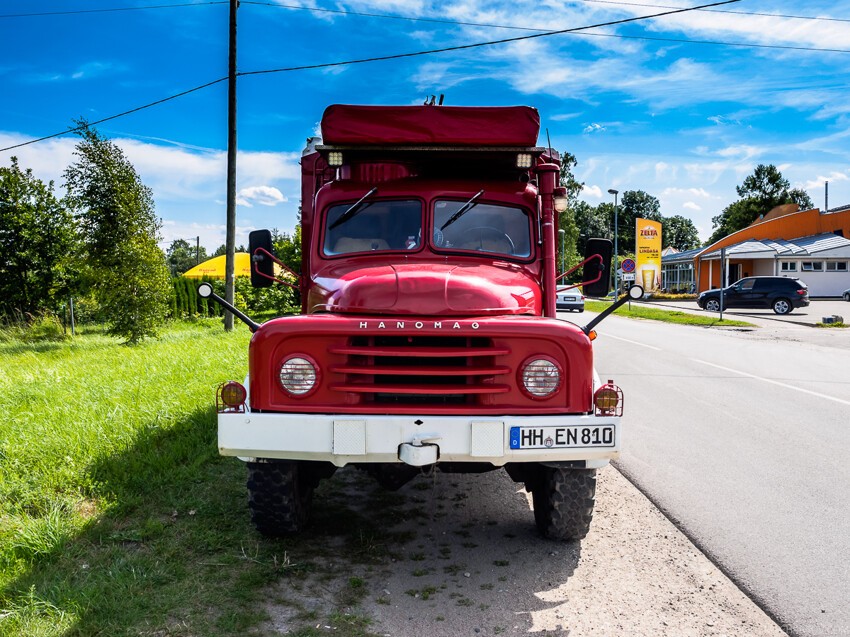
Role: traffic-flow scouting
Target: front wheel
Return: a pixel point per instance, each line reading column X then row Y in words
column 280, row 497
column 712, row 305
column 563, row 502
column 847, row 296
column 782, row 306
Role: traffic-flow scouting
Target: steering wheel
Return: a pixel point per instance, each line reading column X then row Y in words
column 479, row 233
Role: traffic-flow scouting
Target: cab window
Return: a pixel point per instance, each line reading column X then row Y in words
column 377, row 226
column 491, row 228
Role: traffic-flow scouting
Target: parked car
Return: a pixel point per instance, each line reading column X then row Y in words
column 846, row 295
column 570, row 300
column 779, row 293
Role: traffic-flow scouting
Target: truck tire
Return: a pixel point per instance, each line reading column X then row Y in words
column 563, row 502
column 279, row 497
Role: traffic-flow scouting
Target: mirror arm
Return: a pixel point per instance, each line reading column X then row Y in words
column 573, row 269
column 253, row 326
column 262, row 253
column 608, row 311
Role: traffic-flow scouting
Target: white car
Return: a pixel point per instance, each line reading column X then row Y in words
column 570, row 300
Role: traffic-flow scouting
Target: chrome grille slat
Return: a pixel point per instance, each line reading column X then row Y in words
column 420, row 370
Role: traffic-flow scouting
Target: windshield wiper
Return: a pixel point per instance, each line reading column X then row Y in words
column 357, row 207
column 463, row 210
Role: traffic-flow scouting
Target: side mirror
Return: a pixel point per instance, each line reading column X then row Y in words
column 261, row 240
column 594, row 269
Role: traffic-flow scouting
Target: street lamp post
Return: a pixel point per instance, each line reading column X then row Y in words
column 611, row 191
column 563, row 266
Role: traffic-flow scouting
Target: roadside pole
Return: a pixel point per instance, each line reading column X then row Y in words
column 722, row 279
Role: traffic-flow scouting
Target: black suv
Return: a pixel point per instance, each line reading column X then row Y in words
column 780, row 293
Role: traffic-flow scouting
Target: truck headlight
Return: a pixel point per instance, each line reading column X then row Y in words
column 298, row 375
column 540, row 377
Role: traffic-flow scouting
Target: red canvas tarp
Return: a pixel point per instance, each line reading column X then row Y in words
column 343, row 124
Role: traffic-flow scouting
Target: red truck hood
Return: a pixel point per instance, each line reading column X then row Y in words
column 425, row 290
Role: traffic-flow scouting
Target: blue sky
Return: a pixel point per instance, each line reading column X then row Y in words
column 649, row 105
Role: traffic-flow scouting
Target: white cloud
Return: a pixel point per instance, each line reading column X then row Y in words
column 819, row 182
column 591, row 191
column 593, row 128
column 188, row 184
column 262, row 195
column 690, row 205
column 693, row 192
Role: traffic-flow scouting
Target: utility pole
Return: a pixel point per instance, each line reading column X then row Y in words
column 611, row 191
column 230, row 241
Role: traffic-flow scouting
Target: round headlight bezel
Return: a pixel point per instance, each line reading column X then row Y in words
column 292, row 365
column 538, row 365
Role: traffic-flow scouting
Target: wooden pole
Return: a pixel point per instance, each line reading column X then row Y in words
column 230, row 243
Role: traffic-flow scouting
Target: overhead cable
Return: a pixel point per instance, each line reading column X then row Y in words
column 374, row 59
column 112, row 10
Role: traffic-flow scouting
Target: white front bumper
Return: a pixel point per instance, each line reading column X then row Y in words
column 341, row 439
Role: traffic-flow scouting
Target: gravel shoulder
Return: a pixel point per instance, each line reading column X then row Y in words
column 468, row 561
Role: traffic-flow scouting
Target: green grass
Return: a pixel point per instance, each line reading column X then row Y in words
column 118, row 516
column 667, row 316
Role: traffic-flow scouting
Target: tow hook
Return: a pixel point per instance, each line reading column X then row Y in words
column 420, row 451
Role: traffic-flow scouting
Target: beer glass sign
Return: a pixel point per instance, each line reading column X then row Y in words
column 648, row 253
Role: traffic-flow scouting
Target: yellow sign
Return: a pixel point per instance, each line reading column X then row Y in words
column 648, row 253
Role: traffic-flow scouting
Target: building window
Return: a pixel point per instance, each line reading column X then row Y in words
column 789, row 266
column 812, row 266
column 836, row 266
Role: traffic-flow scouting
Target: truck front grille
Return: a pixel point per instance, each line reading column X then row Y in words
column 421, row 370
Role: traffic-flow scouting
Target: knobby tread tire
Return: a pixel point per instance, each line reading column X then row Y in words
column 279, row 498
column 563, row 502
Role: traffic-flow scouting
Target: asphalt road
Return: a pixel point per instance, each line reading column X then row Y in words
column 740, row 437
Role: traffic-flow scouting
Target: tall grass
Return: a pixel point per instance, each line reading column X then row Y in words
column 112, row 493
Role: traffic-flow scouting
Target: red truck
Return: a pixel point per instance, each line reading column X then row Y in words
column 428, row 334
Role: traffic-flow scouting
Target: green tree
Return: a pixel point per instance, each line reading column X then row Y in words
column 181, row 256
column 287, row 248
column 760, row 192
column 592, row 222
column 679, row 232
column 119, row 229
column 37, row 242
column 567, row 218
column 635, row 204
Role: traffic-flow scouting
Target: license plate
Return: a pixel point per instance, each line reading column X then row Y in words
column 554, row 437
column 567, row 299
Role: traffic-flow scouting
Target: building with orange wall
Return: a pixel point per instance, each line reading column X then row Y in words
column 811, row 245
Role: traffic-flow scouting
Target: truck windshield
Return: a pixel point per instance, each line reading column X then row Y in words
column 378, row 226
column 485, row 228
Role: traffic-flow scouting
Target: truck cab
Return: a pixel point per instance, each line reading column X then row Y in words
column 428, row 336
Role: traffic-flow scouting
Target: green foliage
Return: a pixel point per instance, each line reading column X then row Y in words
column 760, row 192
column 679, row 232
column 119, row 230
column 635, row 204
column 567, row 219
column 36, row 240
column 182, row 257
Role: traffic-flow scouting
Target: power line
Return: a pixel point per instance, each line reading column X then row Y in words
column 361, row 61
column 755, row 13
column 462, row 47
column 113, row 10
column 748, row 45
column 116, row 116
column 501, row 26
column 600, row 35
